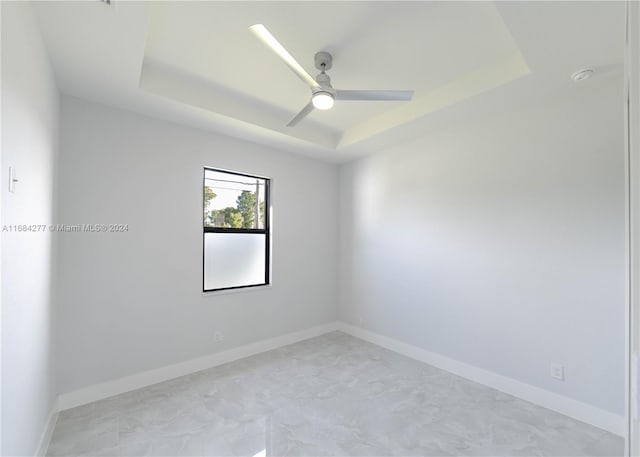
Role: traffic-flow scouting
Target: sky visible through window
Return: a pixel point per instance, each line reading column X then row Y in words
column 233, row 201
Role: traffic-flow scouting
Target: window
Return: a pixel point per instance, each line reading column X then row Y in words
column 236, row 230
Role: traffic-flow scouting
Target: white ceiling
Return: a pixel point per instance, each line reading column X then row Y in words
column 197, row 63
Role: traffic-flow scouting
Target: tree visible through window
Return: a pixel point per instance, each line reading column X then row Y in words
column 236, row 230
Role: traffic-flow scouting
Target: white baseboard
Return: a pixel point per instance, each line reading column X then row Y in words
column 47, row 433
column 136, row 381
column 564, row 405
column 547, row 399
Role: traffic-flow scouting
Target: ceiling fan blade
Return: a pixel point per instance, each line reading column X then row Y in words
column 374, row 95
column 265, row 36
column 301, row 115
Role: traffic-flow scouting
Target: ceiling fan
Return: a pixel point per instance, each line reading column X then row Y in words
column 322, row 94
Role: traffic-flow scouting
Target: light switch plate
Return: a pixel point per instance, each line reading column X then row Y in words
column 12, row 180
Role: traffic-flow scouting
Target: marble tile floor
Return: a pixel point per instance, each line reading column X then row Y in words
column 330, row 395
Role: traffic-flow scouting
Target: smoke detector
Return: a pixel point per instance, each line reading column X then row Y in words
column 583, row 74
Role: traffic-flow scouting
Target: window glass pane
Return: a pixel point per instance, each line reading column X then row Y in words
column 233, row 259
column 233, row 201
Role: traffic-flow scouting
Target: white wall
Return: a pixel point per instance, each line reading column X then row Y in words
column 29, row 143
column 131, row 302
column 499, row 244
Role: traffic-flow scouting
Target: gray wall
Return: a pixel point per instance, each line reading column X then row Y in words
column 499, row 243
column 29, row 144
column 132, row 301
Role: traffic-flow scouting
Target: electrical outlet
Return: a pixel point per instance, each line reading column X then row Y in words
column 557, row 371
column 218, row 337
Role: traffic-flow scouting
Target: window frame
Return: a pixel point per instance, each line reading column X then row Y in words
column 264, row 231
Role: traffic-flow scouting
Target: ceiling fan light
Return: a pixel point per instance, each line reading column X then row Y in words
column 322, row 100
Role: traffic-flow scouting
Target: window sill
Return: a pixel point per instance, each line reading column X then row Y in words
column 237, row 291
